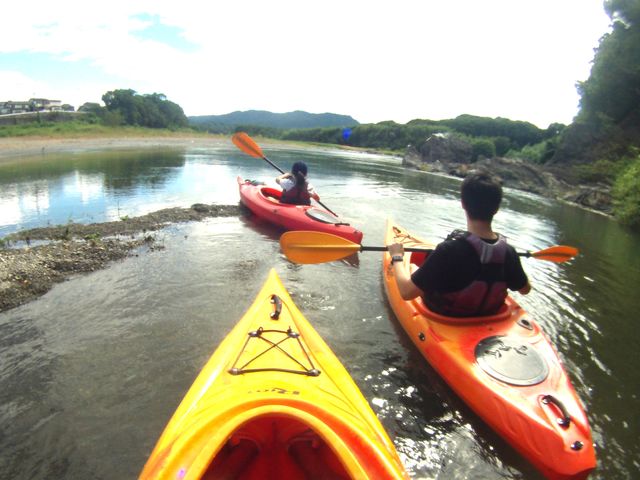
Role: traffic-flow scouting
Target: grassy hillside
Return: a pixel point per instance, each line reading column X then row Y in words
column 83, row 129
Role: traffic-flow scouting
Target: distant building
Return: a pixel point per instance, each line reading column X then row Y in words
column 32, row 105
column 45, row 105
column 9, row 107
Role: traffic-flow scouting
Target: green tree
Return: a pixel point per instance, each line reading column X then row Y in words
column 626, row 195
column 153, row 110
column 520, row 133
column 483, row 147
column 90, row 107
column 607, row 126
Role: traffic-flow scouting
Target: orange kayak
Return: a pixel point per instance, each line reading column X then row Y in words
column 273, row 402
column 264, row 202
column 505, row 368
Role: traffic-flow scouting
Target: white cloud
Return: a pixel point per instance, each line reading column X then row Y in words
column 374, row 60
column 20, row 86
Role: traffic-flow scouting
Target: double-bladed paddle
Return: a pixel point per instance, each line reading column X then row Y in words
column 317, row 247
column 245, row 143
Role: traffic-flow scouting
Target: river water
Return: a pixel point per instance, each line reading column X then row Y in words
column 91, row 372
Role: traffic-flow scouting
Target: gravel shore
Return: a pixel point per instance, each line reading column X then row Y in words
column 27, row 271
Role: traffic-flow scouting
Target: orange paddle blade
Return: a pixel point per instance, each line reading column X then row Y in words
column 558, row 254
column 315, row 247
column 245, row 143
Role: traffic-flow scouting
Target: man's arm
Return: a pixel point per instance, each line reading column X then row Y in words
column 516, row 277
column 408, row 289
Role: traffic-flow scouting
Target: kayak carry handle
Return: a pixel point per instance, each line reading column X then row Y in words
column 275, row 315
column 565, row 421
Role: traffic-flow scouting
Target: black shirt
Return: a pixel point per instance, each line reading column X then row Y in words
column 454, row 264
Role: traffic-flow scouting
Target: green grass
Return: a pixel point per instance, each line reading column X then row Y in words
column 84, row 129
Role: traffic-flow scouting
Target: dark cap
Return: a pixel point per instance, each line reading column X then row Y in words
column 299, row 167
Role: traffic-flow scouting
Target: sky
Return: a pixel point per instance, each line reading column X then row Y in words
column 374, row 60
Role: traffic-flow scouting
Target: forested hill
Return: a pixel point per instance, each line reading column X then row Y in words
column 261, row 118
column 607, row 127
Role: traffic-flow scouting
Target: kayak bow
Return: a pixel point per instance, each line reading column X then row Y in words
column 273, row 401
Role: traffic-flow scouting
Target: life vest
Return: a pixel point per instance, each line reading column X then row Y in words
column 486, row 293
column 298, row 195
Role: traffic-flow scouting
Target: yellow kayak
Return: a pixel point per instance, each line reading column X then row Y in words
column 273, row 401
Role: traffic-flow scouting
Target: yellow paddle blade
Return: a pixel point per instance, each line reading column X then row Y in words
column 558, row 254
column 316, row 247
column 245, row 143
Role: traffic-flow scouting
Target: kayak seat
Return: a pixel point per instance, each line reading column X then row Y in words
column 275, row 447
column 316, row 459
column 503, row 313
column 418, row 258
column 232, row 460
column 272, row 194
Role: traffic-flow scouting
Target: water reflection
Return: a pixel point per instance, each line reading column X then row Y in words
column 81, row 187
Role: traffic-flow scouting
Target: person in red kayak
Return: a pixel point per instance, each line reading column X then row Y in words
column 469, row 273
column 295, row 188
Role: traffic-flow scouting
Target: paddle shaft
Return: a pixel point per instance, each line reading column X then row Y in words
column 319, row 247
column 245, row 143
column 384, row 249
column 274, row 166
column 526, row 254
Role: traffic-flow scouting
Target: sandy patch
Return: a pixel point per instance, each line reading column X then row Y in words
column 12, row 148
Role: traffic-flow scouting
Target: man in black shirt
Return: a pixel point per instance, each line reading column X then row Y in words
column 469, row 273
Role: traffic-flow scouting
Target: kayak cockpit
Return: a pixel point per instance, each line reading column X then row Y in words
column 271, row 193
column 506, row 311
column 275, row 447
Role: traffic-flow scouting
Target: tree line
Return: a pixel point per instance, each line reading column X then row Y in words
column 488, row 136
column 603, row 143
column 126, row 107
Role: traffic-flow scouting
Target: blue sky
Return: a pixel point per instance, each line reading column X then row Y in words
column 374, row 60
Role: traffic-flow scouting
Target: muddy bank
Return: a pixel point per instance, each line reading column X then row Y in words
column 33, row 261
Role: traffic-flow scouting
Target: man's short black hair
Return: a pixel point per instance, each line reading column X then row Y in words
column 481, row 195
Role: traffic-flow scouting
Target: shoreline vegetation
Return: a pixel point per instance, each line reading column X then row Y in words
column 39, row 142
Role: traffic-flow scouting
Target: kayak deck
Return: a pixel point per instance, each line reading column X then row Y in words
column 272, row 402
column 504, row 367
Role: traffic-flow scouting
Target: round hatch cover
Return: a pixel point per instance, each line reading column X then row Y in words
column 511, row 361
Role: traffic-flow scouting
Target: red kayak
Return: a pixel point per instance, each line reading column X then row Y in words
column 264, row 201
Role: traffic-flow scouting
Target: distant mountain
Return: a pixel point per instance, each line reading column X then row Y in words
column 261, row 118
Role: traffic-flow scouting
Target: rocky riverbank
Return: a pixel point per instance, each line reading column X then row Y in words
column 33, row 261
column 453, row 157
